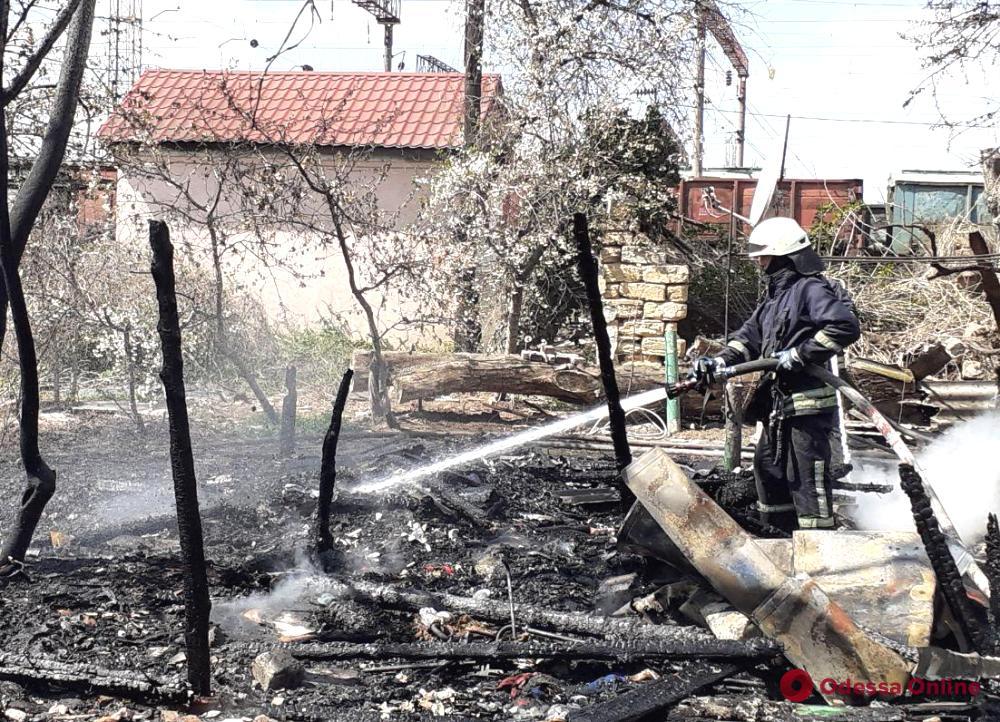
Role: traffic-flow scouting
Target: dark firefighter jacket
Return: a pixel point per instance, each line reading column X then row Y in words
column 806, row 312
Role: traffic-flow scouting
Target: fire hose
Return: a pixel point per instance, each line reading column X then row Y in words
column 975, row 579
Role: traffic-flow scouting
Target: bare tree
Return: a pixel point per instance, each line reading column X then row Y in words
column 15, row 227
column 218, row 196
column 959, row 35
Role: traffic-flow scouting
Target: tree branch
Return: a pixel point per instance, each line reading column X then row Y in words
column 31, row 65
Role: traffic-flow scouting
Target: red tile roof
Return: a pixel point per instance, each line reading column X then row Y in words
column 391, row 110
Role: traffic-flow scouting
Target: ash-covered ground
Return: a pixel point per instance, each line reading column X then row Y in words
column 103, row 600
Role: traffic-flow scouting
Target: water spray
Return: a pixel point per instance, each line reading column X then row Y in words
column 511, row 442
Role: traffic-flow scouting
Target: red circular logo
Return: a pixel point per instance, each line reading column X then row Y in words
column 796, row 685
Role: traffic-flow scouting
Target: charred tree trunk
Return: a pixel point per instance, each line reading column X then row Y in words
column 328, row 469
column 990, row 282
column 35, row 189
column 41, row 480
column 993, row 575
column 945, row 569
column 196, row 601
column 616, row 416
column 288, row 410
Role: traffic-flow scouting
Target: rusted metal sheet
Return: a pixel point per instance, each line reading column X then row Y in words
column 801, row 199
column 816, row 633
column 883, row 579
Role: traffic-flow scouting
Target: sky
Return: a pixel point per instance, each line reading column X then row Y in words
column 839, row 68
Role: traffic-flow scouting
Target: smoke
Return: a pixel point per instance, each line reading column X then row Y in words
column 290, row 594
column 962, row 466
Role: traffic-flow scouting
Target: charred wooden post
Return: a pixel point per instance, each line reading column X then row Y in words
column 993, row 575
column 289, row 406
column 990, row 282
column 328, row 468
column 196, row 601
column 732, row 405
column 943, row 563
column 41, row 480
column 587, row 267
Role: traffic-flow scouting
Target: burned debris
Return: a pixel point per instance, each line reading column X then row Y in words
column 486, row 408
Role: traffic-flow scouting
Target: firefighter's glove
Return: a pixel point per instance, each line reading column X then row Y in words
column 706, row 369
column 789, row 360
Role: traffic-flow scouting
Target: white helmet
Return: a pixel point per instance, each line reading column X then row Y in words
column 777, row 237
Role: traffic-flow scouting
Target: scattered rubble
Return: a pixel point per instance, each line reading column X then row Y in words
column 511, row 602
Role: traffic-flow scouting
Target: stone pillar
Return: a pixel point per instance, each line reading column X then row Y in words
column 644, row 295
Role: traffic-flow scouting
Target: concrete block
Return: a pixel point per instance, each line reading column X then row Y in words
column 666, row 274
column 645, row 291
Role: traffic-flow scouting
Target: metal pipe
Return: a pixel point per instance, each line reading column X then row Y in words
column 673, row 409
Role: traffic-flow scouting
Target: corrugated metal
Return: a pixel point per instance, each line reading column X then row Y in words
column 800, row 199
column 961, row 400
column 934, row 198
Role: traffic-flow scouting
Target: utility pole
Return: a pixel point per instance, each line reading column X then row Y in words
column 742, row 136
column 475, row 10
column 712, row 19
column 386, row 14
column 699, row 89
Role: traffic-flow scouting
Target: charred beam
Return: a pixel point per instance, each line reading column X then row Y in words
column 993, row 575
column 328, row 468
column 499, row 611
column 656, row 696
column 35, row 670
column 936, row 545
column 587, row 267
column 196, row 601
column 618, row 651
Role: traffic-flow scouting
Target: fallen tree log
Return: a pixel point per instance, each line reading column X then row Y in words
column 427, row 376
column 613, row 650
column 36, row 670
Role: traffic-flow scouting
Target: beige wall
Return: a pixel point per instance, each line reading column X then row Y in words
column 309, row 281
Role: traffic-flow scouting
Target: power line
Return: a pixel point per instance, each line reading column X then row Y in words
column 880, row 121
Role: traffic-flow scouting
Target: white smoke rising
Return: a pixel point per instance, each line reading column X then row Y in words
column 963, row 467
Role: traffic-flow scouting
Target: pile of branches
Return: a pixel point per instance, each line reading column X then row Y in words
column 906, row 306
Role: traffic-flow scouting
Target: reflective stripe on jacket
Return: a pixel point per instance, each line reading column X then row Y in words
column 808, row 313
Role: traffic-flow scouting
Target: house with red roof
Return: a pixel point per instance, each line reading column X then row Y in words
column 396, row 126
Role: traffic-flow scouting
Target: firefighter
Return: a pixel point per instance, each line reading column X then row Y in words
column 803, row 319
